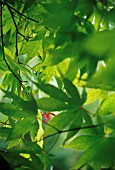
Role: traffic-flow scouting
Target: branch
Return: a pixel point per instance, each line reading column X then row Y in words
column 52, row 145
column 4, row 123
column 4, row 58
column 69, row 130
column 49, row 124
column 27, row 66
column 17, row 31
column 20, row 13
column 31, row 19
column 88, row 112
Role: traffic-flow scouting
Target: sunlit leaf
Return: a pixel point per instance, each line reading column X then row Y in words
column 108, row 105
column 98, row 154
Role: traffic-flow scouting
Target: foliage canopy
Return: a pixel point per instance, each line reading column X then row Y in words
column 57, row 56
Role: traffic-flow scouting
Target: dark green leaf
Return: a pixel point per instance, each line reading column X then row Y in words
column 84, row 96
column 20, row 128
column 53, row 92
column 4, row 132
column 72, row 91
column 33, row 147
column 50, row 104
column 63, row 120
column 11, row 110
column 28, row 4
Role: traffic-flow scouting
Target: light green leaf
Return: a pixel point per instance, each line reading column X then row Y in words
column 72, row 69
column 108, row 105
column 82, row 142
column 31, row 48
column 104, row 43
column 109, row 120
column 98, row 154
column 57, row 56
column 104, row 78
column 94, row 94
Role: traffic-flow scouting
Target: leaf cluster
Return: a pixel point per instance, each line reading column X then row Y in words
column 57, row 56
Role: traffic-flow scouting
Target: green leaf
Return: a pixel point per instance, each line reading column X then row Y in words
column 11, row 110
column 50, row 104
column 63, row 120
column 32, row 105
column 72, row 69
column 16, row 99
column 33, row 147
column 109, row 15
column 4, row 132
column 64, row 17
column 98, row 154
column 72, row 91
column 20, row 161
column 109, row 120
column 104, row 78
column 74, row 124
column 36, row 162
column 94, row 94
column 82, row 142
column 25, row 105
column 84, row 96
column 31, row 48
column 53, row 92
column 3, row 66
column 104, row 43
column 27, row 5
column 19, row 130
column 33, row 131
column 57, row 56
column 108, row 105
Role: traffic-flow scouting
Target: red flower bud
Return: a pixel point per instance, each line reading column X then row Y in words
column 47, row 117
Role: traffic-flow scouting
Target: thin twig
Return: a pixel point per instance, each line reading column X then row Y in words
column 31, row 19
column 21, row 13
column 69, row 130
column 49, row 124
column 4, row 123
column 88, row 112
column 4, row 58
column 17, row 31
column 27, row 66
column 52, row 145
